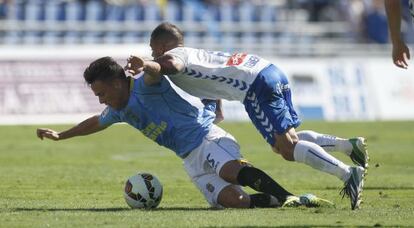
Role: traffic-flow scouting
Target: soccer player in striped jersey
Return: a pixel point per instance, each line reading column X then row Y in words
column 210, row 155
column 265, row 92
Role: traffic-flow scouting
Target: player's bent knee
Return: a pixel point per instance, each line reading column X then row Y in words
column 230, row 171
column 286, row 153
column 276, row 149
column 233, row 197
column 288, row 156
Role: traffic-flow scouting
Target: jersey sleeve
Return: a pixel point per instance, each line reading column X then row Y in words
column 179, row 54
column 209, row 105
column 108, row 117
column 142, row 88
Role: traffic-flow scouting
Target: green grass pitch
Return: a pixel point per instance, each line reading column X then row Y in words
column 79, row 182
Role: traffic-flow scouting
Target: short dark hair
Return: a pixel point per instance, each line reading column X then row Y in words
column 168, row 32
column 104, row 69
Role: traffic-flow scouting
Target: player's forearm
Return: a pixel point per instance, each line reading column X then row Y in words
column 86, row 127
column 153, row 69
column 164, row 65
column 393, row 10
column 169, row 65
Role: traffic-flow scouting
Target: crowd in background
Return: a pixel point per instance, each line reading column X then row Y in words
column 365, row 20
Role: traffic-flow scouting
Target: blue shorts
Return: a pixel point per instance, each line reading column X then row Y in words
column 269, row 104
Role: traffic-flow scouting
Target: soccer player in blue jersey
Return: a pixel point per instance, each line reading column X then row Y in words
column 265, row 93
column 211, row 156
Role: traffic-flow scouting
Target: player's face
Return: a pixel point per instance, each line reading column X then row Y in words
column 109, row 94
column 157, row 48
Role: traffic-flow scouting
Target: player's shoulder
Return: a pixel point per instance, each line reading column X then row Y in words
column 141, row 88
column 136, row 81
column 183, row 50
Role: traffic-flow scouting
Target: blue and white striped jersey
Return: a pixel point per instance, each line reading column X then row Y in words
column 216, row 75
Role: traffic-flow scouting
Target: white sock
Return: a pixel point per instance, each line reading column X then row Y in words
column 327, row 142
column 315, row 156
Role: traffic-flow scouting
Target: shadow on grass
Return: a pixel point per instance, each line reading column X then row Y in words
column 114, row 209
column 380, row 188
column 307, row 226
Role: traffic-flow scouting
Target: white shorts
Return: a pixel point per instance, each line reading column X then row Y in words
column 204, row 163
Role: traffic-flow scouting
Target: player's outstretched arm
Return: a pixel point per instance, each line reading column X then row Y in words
column 135, row 65
column 86, row 127
column 164, row 65
column 400, row 51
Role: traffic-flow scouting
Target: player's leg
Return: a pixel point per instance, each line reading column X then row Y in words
column 222, row 153
column 273, row 115
column 232, row 196
column 218, row 192
column 315, row 156
column 243, row 174
column 355, row 148
column 311, row 154
column 329, row 143
column 270, row 108
column 273, row 194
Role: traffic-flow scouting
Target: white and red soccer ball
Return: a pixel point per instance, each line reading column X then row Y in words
column 143, row 190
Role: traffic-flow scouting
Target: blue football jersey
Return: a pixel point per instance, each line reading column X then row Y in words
column 163, row 116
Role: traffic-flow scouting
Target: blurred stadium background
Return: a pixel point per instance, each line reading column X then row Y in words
column 336, row 53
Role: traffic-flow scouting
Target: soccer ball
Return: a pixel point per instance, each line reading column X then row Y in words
column 143, row 190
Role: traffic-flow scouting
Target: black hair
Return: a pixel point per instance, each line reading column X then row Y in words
column 168, row 32
column 104, row 69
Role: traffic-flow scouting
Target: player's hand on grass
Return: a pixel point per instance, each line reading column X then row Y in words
column 47, row 133
column 400, row 54
column 134, row 65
